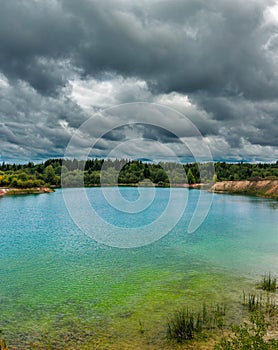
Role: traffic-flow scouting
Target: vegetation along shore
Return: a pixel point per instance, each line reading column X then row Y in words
column 256, row 179
column 19, row 191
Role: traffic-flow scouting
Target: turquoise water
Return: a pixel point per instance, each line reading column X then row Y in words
column 54, row 278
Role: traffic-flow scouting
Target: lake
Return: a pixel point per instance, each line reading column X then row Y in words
column 59, row 285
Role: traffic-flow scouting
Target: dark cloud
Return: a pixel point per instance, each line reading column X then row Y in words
column 222, row 55
column 215, row 46
column 150, row 132
column 115, row 135
column 143, row 131
column 34, row 126
column 36, row 43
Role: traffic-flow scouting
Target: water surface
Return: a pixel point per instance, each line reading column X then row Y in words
column 54, row 277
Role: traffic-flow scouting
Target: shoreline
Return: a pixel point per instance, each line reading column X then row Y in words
column 22, row 191
column 260, row 188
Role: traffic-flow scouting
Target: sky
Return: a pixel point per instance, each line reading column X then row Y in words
column 64, row 62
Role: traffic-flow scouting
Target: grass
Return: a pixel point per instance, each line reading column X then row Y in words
column 194, row 328
column 263, row 316
column 268, row 283
column 260, row 302
column 183, row 326
column 253, row 302
column 186, row 324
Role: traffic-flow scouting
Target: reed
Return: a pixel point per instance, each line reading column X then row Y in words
column 187, row 324
column 254, row 302
column 268, row 283
column 183, row 326
column 264, row 303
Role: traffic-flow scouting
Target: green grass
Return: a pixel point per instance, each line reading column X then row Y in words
column 259, row 302
column 253, row 302
column 186, row 324
column 268, row 283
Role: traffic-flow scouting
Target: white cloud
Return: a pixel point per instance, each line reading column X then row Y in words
column 4, row 83
column 271, row 15
column 93, row 94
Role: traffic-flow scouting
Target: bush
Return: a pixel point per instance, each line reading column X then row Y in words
column 249, row 336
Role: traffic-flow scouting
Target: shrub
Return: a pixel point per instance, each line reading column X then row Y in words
column 249, row 336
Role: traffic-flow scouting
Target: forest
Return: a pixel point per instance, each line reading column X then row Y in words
column 93, row 172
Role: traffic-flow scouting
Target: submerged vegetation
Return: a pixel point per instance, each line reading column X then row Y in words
column 95, row 171
column 263, row 317
column 254, row 326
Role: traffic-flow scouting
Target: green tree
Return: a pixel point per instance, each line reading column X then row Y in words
column 49, row 174
column 160, row 176
column 14, row 182
column 190, row 177
column 22, row 176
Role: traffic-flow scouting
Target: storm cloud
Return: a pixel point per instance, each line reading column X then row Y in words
column 62, row 61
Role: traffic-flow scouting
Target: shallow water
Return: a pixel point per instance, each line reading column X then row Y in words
column 54, row 277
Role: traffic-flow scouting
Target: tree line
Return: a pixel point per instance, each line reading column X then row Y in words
column 94, row 172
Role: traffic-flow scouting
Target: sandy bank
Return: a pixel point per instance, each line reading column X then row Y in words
column 265, row 188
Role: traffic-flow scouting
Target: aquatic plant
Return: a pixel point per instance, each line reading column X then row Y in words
column 253, row 302
column 219, row 312
column 183, row 326
column 269, row 283
column 186, row 324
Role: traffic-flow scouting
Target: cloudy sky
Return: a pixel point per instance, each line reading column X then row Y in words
column 65, row 61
